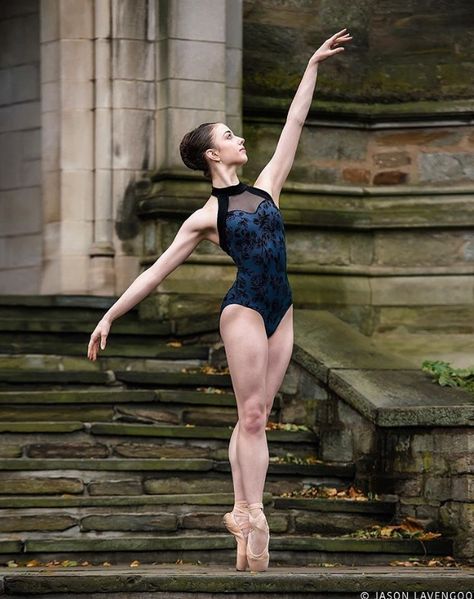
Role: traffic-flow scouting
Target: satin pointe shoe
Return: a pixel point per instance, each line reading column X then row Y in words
column 240, row 532
column 258, row 562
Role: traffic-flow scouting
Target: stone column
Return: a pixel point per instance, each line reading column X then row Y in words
column 67, row 120
column 199, row 50
column 98, row 106
column 124, row 39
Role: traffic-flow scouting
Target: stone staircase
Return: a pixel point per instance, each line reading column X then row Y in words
column 123, row 461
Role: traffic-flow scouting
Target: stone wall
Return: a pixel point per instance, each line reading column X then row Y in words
column 21, row 223
column 430, row 470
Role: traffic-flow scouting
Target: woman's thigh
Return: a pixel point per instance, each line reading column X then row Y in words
column 280, row 349
column 246, row 347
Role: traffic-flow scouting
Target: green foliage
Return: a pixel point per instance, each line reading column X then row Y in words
column 447, row 376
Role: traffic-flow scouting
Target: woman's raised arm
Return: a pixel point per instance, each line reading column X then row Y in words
column 274, row 175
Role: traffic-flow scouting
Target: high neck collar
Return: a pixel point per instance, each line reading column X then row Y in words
column 230, row 189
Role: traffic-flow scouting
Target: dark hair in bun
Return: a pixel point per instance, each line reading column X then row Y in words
column 193, row 146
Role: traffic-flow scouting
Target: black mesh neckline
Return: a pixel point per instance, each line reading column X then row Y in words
column 230, row 189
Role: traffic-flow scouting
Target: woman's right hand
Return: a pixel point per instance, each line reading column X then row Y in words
column 99, row 335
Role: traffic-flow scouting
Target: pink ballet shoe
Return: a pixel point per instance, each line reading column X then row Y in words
column 258, row 562
column 240, row 532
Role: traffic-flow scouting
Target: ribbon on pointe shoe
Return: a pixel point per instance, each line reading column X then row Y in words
column 241, row 509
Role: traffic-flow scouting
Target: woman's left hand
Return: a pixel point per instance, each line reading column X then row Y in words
column 327, row 49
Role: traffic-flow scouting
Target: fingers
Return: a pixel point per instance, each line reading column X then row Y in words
column 93, row 346
column 338, row 33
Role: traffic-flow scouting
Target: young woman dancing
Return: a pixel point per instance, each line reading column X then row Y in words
column 256, row 314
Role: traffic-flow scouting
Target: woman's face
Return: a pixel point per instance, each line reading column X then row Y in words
column 230, row 146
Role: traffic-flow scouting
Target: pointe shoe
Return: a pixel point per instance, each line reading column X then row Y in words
column 258, row 562
column 240, row 532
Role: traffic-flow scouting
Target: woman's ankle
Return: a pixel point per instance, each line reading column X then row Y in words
column 255, row 508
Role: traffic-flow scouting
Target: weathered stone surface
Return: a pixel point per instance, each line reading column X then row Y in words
column 453, row 167
column 306, row 579
column 106, row 464
column 356, row 175
column 463, row 464
column 318, row 347
column 318, row 522
column 39, row 522
column 391, row 159
column 390, row 178
column 402, row 248
column 408, row 487
column 463, row 488
column 67, row 450
column 10, row 451
column 148, row 450
column 180, row 485
column 40, row 485
column 132, row 522
column 210, row 416
column 115, row 487
column 434, row 319
column 142, row 414
column 438, row 488
column 417, row 400
column 40, row 427
column 337, row 445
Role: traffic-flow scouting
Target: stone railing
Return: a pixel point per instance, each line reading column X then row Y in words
column 407, row 435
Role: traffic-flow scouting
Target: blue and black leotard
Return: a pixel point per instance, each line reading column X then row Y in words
column 252, row 233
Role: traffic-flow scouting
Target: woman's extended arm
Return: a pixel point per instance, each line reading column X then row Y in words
column 191, row 233
column 276, row 171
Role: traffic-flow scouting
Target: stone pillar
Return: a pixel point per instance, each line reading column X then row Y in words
column 97, row 78
column 67, row 119
column 124, row 141
column 199, row 50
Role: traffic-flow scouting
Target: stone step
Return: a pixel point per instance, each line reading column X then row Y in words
column 383, row 507
column 42, row 439
column 118, row 345
column 225, row 500
column 196, row 324
column 166, row 464
column 151, row 430
column 13, row 377
column 218, row 582
column 197, row 432
column 64, row 363
column 131, row 477
column 167, row 514
column 216, row 548
column 66, row 326
column 209, row 397
column 169, row 414
column 51, row 306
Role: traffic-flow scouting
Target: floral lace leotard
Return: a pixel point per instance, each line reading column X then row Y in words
column 252, row 233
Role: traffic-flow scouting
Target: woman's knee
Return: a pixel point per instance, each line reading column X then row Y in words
column 252, row 417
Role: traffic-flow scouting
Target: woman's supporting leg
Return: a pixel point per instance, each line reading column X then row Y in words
column 240, row 509
column 239, row 493
column 246, row 346
column 257, row 367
